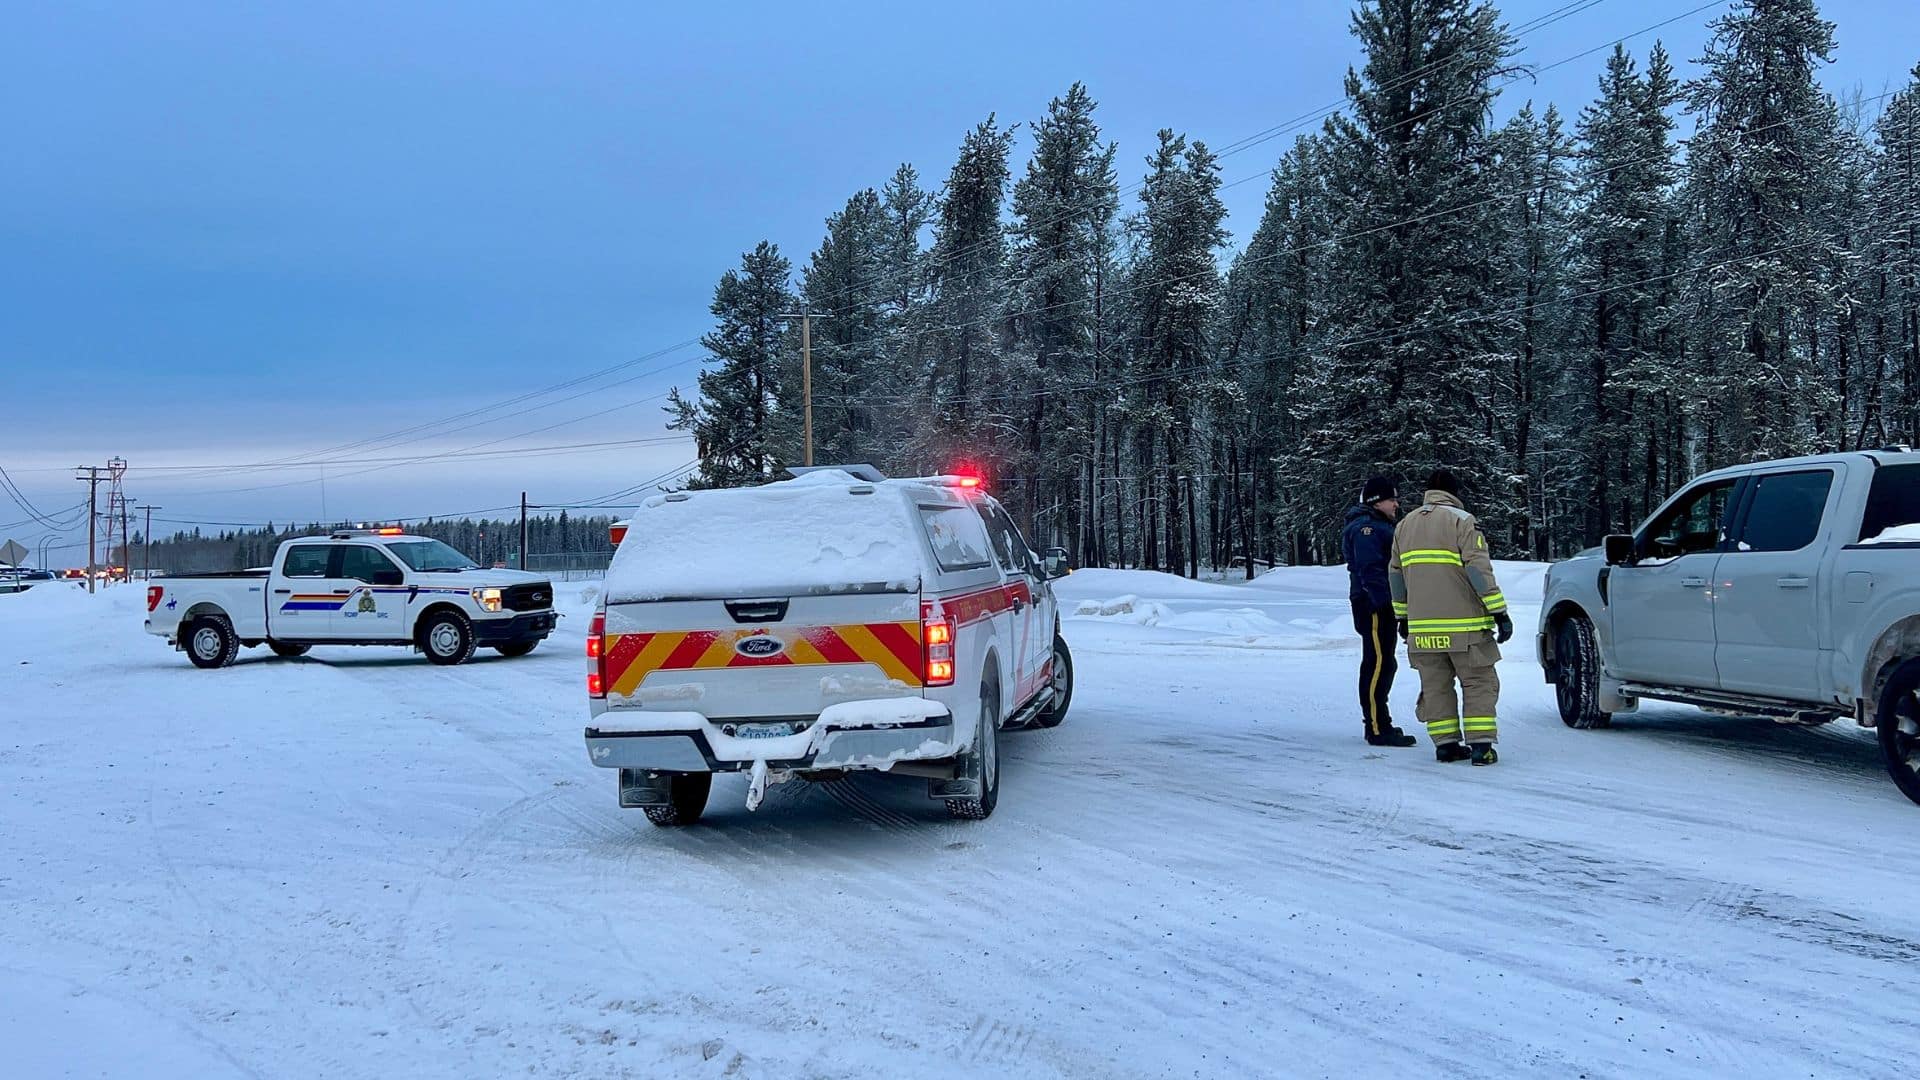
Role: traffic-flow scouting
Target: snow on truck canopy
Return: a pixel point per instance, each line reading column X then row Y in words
column 823, row 531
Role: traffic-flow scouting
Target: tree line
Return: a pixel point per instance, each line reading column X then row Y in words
column 1575, row 315
column 551, row 539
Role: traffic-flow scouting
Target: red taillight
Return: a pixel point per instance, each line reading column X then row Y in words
column 154, row 593
column 936, row 635
column 597, row 652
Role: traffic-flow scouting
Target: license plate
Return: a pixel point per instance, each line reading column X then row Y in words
column 763, row 731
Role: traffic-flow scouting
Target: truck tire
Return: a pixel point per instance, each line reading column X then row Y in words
column 447, row 638
column 1899, row 721
column 983, row 761
column 515, row 648
column 1062, row 686
column 687, row 795
column 288, row 650
column 211, row 642
column 1577, row 688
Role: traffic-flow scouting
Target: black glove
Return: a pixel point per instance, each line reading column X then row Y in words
column 1401, row 626
column 1503, row 628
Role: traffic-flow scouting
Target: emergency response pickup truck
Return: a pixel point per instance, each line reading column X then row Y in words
column 804, row 629
column 356, row 587
column 1784, row 589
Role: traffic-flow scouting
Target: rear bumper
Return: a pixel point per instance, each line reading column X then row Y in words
column 532, row 626
column 882, row 734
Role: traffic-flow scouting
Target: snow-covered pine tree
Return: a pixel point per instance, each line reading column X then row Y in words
column 1270, row 307
column 1532, row 177
column 742, row 422
column 964, row 320
column 1063, row 210
column 1758, row 194
column 1895, row 280
column 1174, row 296
column 846, row 287
column 900, row 385
column 1403, row 374
column 1621, row 375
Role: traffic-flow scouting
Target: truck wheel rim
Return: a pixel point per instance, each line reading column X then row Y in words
column 206, row 643
column 989, row 750
column 1059, row 676
column 1906, row 730
column 446, row 639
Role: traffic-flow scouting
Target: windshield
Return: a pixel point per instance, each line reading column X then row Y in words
column 431, row 555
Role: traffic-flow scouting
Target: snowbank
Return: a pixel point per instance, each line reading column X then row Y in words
column 813, row 533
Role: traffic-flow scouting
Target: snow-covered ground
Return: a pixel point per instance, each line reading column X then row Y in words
column 360, row 865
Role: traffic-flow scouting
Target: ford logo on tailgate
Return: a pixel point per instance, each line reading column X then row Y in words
column 759, row 646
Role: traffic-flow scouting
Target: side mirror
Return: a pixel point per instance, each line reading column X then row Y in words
column 1056, row 563
column 1619, row 549
column 389, row 577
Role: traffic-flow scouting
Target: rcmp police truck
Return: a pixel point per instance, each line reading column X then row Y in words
column 354, row 587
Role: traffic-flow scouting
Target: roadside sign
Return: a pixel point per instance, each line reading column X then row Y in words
column 12, row 554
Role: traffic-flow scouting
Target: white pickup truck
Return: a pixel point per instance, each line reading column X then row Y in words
column 1785, row 589
column 804, row 629
column 356, row 587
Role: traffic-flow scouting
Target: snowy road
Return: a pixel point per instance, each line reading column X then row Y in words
column 360, row 865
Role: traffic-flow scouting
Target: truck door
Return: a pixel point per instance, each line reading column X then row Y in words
column 1016, row 562
column 1768, row 589
column 1661, row 607
column 376, row 601
column 303, row 601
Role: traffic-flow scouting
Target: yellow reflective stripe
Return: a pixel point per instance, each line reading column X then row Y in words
column 1480, row 723
column 1494, row 602
column 1441, row 626
column 1430, row 555
column 1400, row 608
column 1437, row 728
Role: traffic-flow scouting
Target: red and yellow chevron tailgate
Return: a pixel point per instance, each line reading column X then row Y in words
column 893, row 647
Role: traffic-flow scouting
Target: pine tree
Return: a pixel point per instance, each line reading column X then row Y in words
column 1406, row 361
column 964, row 328
column 743, row 421
column 1174, row 295
column 1064, row 208
column 1759, row 193
column 1894, row 204
column 846, row 287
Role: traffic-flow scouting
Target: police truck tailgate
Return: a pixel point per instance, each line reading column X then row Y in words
column 762, row 657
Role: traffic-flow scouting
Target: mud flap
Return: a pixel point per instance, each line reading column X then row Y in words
column 640, row 789
column 960, row 787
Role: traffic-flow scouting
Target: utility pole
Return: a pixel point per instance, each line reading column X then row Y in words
column 92, row 480
column 806, row 379
column 523, row 530
column 146, row 538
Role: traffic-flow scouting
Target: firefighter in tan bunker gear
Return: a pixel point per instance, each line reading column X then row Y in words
column 1453, row 619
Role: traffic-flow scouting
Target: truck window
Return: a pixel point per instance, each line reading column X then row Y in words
column 1008, row 547
column 1894, row 500
column 958, row 541
column 360, row 562
column 1692, row 525
column 1785, row 511
column 307, row 560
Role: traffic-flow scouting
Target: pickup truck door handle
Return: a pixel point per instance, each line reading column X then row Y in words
column 283, row 592
column 1795, row 582
column 1694, row 582
column 341, row 592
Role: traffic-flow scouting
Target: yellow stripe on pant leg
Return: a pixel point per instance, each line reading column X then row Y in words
column 1373, row 689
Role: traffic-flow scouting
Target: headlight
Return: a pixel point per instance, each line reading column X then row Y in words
column 488, row 599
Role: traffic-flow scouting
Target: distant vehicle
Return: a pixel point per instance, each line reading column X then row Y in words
column 18, row 579
column 356, row 587
column 804, row 629
column 1788, row 589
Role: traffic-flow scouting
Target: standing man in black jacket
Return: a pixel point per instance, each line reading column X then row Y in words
column 1368, row 544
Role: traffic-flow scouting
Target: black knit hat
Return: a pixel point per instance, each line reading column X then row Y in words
column 1444, row 480
column 1378, row 489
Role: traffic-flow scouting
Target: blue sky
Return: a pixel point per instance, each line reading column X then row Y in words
column 233, row 233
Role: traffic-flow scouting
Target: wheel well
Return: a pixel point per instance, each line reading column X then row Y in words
column 203, row 608
column 1899, row 643
column 1556, row 617
column 435, row 609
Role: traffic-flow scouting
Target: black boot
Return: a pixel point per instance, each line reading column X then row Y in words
column 1450, row 752
column 1389, row 735
column 1484, row 753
